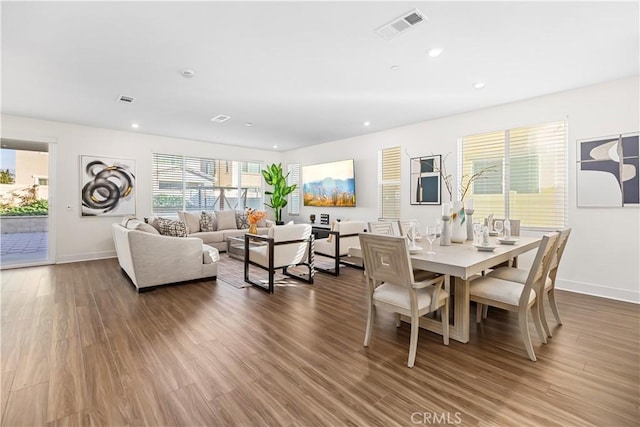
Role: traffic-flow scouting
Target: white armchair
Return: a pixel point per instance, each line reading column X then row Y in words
column 284, row 246
column 343, row 236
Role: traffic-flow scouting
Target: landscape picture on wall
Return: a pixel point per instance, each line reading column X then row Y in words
column 607, row 171
column 329, row 184
column 108, row 186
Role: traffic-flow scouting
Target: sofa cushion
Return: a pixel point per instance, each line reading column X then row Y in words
column 210, row 254
column 208, row 221
column 136, row 224
column 226, row 220
column 172, row 228
column 191, row 220
column 242, row 220
column 233, row 233
column 126, row 220
column 209, row 236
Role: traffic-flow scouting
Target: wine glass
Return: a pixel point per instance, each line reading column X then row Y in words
column 431, row 236
column 499, row 226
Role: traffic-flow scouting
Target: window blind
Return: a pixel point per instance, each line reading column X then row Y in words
column 203, row 184
column 293, row 208
column 389, row 183
column 530, row 178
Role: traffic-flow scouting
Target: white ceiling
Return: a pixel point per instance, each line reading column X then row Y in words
column 303, row 73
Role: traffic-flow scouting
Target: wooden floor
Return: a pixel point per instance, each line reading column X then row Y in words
column 81, row 347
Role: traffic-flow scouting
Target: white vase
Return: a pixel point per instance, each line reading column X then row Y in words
column 458, row 224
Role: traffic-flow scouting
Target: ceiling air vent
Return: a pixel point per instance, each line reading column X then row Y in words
column 220, row 118
column 401, row 24
column 124, row 99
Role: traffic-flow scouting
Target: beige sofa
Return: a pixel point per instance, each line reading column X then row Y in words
column 225, row 228
column 150, row 259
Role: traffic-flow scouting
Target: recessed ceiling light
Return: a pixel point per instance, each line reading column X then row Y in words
column 249, row 124
column 479, row 85
column 435, row 52
column 367, row 123
column 187, row 73
column 394, row 67
column 220, row 118
column 275, row 146
column 135, row 125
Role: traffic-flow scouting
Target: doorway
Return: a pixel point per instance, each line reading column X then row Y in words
column 25, row 190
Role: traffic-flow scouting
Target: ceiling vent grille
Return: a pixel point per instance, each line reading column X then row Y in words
column 124, row 99
column 220, row 118
column 401, row 24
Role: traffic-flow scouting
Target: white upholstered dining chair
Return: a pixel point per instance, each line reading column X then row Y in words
column 391, row 285
column 520, row 276
column 522, row 298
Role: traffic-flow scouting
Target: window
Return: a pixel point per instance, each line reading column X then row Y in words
column 389, row 183
column 293, row 208
column 197, row 184
column 529, row 176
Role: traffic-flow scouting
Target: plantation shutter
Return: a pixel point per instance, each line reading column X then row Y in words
column 293, row 207
column 168, row 184
column 389, row 183
column 530, row 178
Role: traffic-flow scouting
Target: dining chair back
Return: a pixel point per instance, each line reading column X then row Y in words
column 521, row 297
column 391, row 285
column 381, row 227
column 563, row 238
column 405, row 225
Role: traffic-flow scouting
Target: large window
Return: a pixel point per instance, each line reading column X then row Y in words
column 389, row 183
column 528, row 178
column 197, row 184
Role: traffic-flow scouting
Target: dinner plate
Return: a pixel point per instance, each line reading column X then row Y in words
column 415, row 249
column 510, row 241
column 483, row 248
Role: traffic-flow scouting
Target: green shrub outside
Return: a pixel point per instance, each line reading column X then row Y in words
column 39, row 207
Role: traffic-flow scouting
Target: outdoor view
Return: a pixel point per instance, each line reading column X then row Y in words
column 24, row 207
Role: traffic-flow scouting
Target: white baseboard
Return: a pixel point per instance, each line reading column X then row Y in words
column 599, row 290
column 85, row 257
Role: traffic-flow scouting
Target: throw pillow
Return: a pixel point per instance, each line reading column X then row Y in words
column 153, row 221
column 226, row 220
column 126, row 219
column 269, row 223
column 141, row 226
column 172, row 228
column 242, row 220
column 191, row 220
column 208, row 221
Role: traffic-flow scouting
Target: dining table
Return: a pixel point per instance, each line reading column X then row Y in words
column 462, row 262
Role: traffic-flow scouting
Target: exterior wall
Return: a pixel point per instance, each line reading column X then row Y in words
column 24, row 224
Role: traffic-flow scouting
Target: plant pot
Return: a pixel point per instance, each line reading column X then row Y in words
column 279, row 222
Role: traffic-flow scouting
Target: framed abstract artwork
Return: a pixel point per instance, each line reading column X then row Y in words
column 607, row 171
column 107, row 186
column 425, row 180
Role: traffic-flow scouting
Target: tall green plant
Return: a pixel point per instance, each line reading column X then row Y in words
column 273, row 176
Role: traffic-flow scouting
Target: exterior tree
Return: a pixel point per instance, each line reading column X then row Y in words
column 6, row 177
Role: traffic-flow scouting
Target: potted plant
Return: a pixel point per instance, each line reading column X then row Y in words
column 273, row 176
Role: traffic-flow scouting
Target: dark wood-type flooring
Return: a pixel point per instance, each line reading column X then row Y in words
column 81, row 347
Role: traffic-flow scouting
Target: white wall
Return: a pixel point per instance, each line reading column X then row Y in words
column 603, row 253
column 82, row 238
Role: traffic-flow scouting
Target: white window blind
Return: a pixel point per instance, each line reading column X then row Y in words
column 529, row 181
column 202, row 184
column 389, row 183
column 293, row 208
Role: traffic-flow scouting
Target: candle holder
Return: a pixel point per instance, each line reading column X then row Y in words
column 445, row 236
column 469, row 214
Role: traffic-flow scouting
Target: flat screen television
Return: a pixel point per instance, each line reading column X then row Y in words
column 329, row 184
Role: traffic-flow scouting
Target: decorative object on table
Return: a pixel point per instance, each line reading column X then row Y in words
column 324, row 219
column 108, row 186
column 507, row 228
column 458, row 219
column 312, row 218
column 445, row 235
column 608, row 171
column 425, row 180
column 329, row 184
column 468, row 211
column 254, row 216
column 273, row 176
